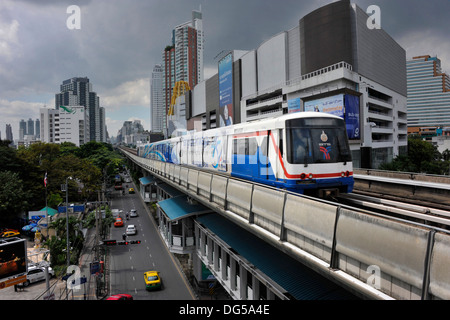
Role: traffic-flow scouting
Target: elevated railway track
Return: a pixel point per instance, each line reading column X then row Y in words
column 339, row 241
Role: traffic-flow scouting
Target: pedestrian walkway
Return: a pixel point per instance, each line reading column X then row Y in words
column 86, row 286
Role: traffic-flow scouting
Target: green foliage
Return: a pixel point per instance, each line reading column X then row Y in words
column 12, row 196
column 58, row 244
column 87, row 165
column 422, row 157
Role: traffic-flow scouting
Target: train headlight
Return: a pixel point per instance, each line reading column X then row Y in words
column 303, row 176
column 345, row 174
column 310, row 175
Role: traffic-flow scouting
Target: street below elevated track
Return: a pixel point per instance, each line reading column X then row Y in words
column 127, row 263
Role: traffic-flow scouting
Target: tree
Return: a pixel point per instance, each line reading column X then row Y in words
column 13, row 199
column 421, row 153
column 422, row 157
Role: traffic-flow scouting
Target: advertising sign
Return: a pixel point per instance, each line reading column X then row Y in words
column 352, row 116
column 294, row 105
column 226, row 90
column 13, row 258
column 333, row 105
column 344, row 106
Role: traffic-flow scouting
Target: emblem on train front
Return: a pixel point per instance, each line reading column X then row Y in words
column 323, row 137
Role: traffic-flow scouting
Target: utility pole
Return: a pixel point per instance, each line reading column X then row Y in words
column 67, row 221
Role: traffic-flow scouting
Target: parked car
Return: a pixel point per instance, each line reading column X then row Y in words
column 36, row 274
column 118, row 222
column 120, row 296
column 10, row 233
column 152, row 280
column 131, row 229
column 133, row 213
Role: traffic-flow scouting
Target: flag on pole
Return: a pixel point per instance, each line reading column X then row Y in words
column 45, row 180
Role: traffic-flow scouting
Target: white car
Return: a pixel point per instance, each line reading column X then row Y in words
column 133, row 213
column 36, row 274
column 131, row 229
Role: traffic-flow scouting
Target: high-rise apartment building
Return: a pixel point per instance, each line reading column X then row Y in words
column 158, row 112
column 37, row 129
column 9, row 134
column 78, row 91
column 428, row 93
column 183, row 58
column 30, row 127
column 22, row 129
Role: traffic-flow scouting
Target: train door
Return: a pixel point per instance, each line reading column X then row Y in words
column 263, row 159
column 275, row 152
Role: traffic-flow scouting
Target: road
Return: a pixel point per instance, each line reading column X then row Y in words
column 129, row 262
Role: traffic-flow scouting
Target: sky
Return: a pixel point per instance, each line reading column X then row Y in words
column 118, row 43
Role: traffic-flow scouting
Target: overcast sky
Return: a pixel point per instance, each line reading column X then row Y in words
column 120, row 41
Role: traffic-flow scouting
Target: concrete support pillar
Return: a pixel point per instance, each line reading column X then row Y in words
column 243, row 282
column 216, row 257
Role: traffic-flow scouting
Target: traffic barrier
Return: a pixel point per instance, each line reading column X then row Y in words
column 239, row 198
column 439, row 269
column 310, row 225
column 267, row 208
column 397, row 249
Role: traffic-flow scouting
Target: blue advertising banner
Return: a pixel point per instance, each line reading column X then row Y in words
column 226, row 89
column 352, row 116
column 294, row 105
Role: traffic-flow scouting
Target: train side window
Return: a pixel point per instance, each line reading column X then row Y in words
column 252, row 146
column 264, row 146
column 240, row 146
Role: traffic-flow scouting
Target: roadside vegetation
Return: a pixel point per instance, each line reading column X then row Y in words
column 422, row 157
column 22, row 189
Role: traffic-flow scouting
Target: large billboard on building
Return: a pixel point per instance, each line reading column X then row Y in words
column 13, row 258
column 226, row 90
column 345, row 106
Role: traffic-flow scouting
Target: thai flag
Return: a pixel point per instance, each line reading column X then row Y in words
column 45, row 180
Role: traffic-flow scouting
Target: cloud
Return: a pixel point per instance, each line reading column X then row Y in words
column 8, row 38
column 130, row 93
column 426, row 42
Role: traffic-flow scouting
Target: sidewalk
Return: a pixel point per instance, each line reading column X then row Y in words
column 87, row 287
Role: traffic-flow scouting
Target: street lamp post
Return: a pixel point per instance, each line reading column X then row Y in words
column 67, row 221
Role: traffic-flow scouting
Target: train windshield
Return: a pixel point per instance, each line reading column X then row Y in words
column 316, row 140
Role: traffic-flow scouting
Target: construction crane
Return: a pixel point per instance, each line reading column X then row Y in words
column 180, row 88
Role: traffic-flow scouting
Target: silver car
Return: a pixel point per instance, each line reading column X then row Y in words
column 36, row 274
column 131, row 229
column 133, row 213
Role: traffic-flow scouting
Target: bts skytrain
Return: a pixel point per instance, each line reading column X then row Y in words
column 303, row 152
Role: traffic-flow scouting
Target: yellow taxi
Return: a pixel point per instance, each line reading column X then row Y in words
column 10, row 233
column 131, row 190
column 152, row 280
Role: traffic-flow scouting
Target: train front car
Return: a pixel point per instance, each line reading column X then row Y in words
column 317, row 155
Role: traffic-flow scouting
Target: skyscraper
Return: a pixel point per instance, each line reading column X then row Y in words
column 9, row 134
column 22, row 129
column 37, row 129
column 30, row 127
column 183, row 59
column 188, row 42
column 428, row 93
column 158, row 112
column 77, row 91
